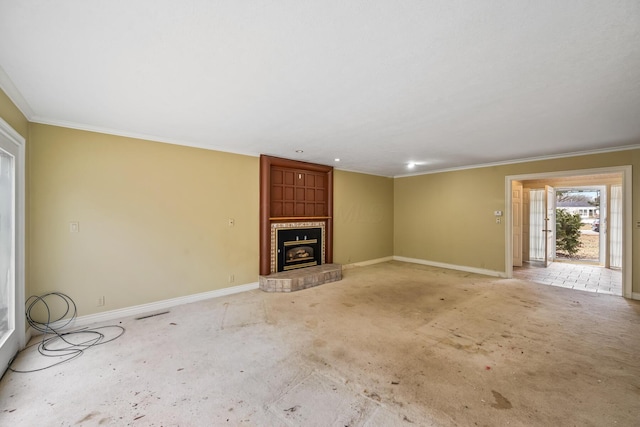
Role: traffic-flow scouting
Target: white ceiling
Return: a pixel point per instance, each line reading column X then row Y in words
column 376, row 83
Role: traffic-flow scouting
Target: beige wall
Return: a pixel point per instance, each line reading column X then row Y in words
column 448, row 217
column 363, row 211
column 153, row 218
column 12, row 115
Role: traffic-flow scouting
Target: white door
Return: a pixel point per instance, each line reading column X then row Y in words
column 516, row 211
column 549, row 225
column 11, row 242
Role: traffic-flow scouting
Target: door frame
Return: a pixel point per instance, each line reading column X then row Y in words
column 14, row 137
column 549, row 225
column 518, row 213
column 627, row 203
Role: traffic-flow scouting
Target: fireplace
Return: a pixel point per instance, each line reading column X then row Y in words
column 297, row 245
column 298, row 259
column 295, row 194
column 296, row 225
column 298, row 248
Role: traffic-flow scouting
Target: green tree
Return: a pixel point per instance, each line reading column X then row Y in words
column 568, row 232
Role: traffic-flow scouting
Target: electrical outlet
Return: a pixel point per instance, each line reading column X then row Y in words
column 100, row 302
column 498, row 220
column 74, row 227
column 232, row 278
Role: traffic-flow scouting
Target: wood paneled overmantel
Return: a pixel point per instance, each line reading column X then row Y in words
column 292, row 191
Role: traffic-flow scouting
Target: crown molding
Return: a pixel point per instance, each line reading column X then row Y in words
column 153, row 138
column 6, row 84
column 10, row 133
column 134, row 135
column 526, row 160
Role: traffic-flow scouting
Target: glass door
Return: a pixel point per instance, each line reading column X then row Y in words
column 12, row 331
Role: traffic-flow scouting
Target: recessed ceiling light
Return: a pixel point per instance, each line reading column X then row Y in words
column 411, row 165
column 336, row 159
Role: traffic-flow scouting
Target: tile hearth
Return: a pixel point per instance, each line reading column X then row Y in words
column 302, row 278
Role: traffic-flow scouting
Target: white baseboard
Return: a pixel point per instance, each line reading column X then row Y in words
column 452, row 266
column 149, row 308
column 365, row 263
column 137, row 310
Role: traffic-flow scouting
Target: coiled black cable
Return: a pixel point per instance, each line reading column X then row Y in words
column 57, row 343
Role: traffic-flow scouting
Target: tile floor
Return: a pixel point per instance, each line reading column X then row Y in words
column 584, row 277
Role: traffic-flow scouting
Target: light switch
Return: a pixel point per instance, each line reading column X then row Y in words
column 74, row 227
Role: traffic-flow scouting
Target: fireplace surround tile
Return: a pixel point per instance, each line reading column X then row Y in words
column 292, row 226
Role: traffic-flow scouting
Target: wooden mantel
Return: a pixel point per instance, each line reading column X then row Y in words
column 291, row 190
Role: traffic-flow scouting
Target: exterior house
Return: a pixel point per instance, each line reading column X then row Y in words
column 587, row 212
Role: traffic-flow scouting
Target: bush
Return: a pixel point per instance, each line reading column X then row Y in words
column 568, row 232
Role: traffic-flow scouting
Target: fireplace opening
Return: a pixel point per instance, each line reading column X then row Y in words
column 299, row 248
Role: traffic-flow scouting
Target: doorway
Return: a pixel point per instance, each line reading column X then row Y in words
column 12, row 192
column 580, row 211
column 613, row 261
